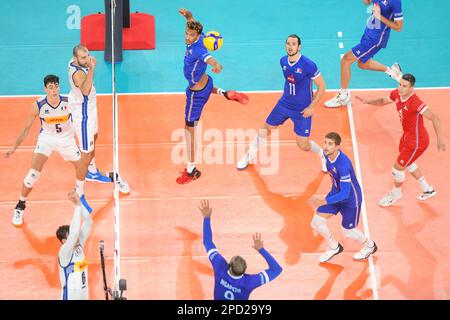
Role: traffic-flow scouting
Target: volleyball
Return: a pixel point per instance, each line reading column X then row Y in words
column 213, row 40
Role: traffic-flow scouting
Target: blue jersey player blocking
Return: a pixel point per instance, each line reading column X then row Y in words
column 345, row 197
column 230, row 280
column 386, row 15
column 199, row 89
column 297, row 102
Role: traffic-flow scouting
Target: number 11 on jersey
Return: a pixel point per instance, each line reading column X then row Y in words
column 292, row 89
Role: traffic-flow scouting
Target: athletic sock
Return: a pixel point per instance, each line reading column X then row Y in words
column 314, row 147
column 92, row 168
column 22, row 198
column 220, row 91
column 343, row 92
column 424, row 184
column 190, row 167
column 79, row 187
column 396, row 190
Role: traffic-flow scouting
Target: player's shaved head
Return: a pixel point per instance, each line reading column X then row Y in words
column 62, row 232
column 238, row 265
column 79, row 48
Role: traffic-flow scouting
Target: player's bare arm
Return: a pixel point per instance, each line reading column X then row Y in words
column 320, row 83
column 29, row 123
column 394, row 25
column 205, row 209
column 83, row 81
column 434, row 118
column 187, row 14
column 216, row 66
column 374, row 102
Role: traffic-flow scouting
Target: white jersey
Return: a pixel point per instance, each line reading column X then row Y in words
column 55, row 120
column 83, row 108
column 74, row 276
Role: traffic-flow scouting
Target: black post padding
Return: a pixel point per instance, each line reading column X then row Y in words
column 117, row 31
column 126, row 14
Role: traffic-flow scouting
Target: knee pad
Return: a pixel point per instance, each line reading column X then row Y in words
column 354, row 234
column 190, row 123
column 412, row 167
column 399, row 176
column 31, row 178
column 317, row 221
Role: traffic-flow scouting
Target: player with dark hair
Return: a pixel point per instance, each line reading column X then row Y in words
column 297, row 102
column 414, row 140
column 73, row 270
column 199, row 89
column 386, row 15
column 231, row 281
column 56, row 134
column 345, row 197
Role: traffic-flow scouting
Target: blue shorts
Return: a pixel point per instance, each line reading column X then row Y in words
column 350, row 214
column 279, row 114
column 366, row 49
column 196, row 100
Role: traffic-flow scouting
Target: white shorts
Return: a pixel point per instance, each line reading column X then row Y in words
column 66, row 146
column 85, row 132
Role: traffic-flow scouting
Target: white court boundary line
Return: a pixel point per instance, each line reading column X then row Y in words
column 248, row 91
column 365, row 221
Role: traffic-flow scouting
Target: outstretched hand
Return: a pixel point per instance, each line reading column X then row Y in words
column 186, row 13
column 205, row 209
column 257, row 242
column 74, row 197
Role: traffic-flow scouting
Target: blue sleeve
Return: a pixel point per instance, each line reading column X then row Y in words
column 218, row 262
column 344, row 185
column 314, row 72
column 201, row 53
column 267, row 275
column 397, row 10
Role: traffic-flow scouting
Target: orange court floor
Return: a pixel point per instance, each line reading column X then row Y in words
column 162, row 255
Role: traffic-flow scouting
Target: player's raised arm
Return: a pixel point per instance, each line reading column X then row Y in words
column 34, row 112
column 74, row 231
column 86, row 226
column 434, row 118
column 83, row 81
column 274, row 269
column 187, row 14
column 375, row 102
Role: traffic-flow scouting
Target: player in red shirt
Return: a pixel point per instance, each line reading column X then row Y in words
column 414, row 140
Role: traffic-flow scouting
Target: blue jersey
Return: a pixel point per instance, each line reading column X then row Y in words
column 345, row 189
column 227, row 286
column 377, row 31
column 195, row 61
column 298, row 93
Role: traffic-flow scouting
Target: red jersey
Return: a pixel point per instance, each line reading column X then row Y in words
column 410, row 112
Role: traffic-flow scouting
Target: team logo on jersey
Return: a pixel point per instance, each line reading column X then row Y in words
column 46, row 111
column 334, row 170
column 385, row 2
column 298, row 70
column 406, row 108
column 291, row 78
column 284, row 68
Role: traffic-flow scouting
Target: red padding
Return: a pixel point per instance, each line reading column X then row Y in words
column 140, row 35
